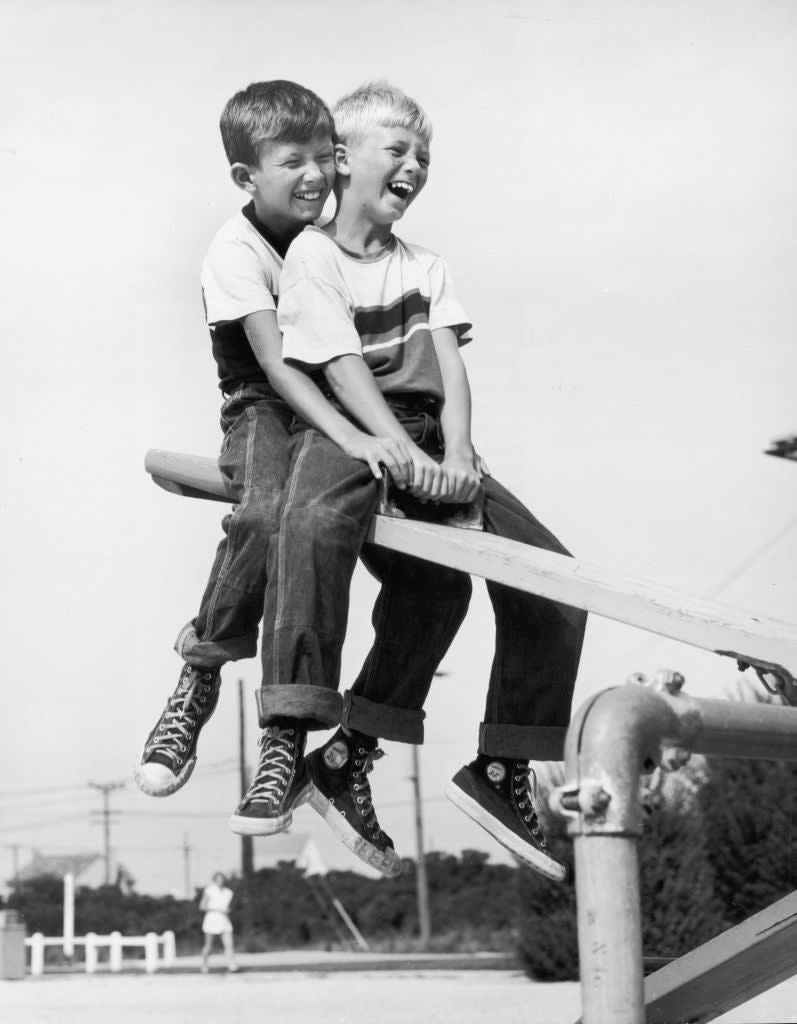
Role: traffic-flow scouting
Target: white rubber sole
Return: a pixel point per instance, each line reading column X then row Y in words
column 243, row 825
column 534, row 858
column 387, row 863
column 168, row 788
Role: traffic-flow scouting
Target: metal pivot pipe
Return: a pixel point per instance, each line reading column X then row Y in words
column 608, row 743
column 609, row 929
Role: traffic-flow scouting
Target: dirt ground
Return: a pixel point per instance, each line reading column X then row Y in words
column 442, row 997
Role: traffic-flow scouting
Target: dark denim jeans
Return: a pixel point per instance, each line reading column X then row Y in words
column 262, row 444
column 255, row 460
column 328, row 504
column 329, row 501
column 537, row 642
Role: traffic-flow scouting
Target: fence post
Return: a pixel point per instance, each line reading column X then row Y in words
column 169, row 949
column 37, row 953
column 91, row 952
column 150, row 952
column 115, row 952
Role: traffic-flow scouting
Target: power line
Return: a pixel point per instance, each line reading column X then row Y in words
column 39, row 789
column 751, row 559
column 42, row 823
column 714, row 591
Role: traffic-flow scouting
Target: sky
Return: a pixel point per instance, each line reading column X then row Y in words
column 612, row 186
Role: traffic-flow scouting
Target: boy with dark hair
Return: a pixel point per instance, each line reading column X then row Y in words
column 379, row 317
column 278, row 138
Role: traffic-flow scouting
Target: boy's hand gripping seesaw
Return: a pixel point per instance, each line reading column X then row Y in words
column 397, row 505
column 770, row 646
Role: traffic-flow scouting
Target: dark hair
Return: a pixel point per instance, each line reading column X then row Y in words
column 276, row 111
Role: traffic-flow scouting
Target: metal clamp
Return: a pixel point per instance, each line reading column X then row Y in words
column 573, row 799
column 785, row 684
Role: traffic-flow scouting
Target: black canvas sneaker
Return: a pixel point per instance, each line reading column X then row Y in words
column 341, row 793
column 500, row 796
column 281, row 782
column 170, row 751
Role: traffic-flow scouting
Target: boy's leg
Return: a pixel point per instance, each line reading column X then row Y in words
column 327, row 506
column 537, row 651
column 416, row 616
column 254, row 458
column 419, row 610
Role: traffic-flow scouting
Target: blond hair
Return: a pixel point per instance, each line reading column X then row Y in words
column 378, row 104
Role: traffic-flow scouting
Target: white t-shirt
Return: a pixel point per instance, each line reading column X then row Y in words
column 384, row 308
column 240, row 275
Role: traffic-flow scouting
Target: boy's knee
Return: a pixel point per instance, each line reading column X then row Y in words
column 321, row 525
column 256, row 520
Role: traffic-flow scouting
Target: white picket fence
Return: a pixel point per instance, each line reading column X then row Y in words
column 159, row 950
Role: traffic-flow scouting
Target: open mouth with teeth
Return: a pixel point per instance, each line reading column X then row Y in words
column 308, row 197
column 402, row 189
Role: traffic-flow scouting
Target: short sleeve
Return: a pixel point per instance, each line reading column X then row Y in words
column 235, row 282
column 314, row 315
column 445, row 309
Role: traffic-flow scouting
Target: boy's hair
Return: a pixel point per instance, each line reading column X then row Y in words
column 277, row 111
column 378, row 104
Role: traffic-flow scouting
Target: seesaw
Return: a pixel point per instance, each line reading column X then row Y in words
column 611, row 738
column 765, row 643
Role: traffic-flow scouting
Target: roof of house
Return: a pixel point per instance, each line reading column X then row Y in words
column 56, row 864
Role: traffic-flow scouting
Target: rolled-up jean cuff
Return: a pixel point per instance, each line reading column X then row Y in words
column 213, row 653
column 524, row 742
column 317, row 707
column 402, row 725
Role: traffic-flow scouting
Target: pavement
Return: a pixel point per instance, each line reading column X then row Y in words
column 319, row 997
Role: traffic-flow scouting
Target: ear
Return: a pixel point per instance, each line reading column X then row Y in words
column 342, row 155
column 242, row 176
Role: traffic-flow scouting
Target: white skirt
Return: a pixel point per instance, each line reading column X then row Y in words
column 216, row 923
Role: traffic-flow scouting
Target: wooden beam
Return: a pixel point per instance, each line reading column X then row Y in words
column 727, row 971
column 705, row 624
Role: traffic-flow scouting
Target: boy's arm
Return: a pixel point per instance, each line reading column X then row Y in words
column 462, row 465
column 355, row 388
column 304, row 396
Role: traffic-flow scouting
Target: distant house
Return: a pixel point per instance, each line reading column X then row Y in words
column 88, row 869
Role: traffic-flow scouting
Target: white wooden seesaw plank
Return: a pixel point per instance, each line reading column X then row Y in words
column 727, row 971
column 709, row 625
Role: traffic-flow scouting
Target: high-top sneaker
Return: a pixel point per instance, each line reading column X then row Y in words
column 170, row 751
column 341, row 793
column 281, row 782
column 500, row 795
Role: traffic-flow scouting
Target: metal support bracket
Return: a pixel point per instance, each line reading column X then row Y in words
column 785, row 684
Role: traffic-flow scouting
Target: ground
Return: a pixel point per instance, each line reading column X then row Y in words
column 252, row 997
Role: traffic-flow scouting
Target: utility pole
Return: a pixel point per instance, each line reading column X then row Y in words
column 106, row 788
column 187, row 866
column 424, row 922
column 247, row 852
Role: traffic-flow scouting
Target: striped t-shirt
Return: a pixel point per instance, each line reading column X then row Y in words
column 383, row 307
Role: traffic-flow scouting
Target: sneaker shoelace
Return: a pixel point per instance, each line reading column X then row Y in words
column 180, row 719
column 276, row 764
column 522, row 787
column 363, row 764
